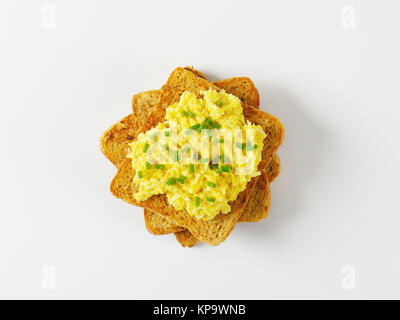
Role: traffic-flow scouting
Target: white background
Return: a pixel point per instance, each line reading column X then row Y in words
column 335, row 203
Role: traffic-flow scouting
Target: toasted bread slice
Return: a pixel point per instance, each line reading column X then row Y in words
column 243, row 88
column 142, row 104
column 186, row 239
column 197, row 73
column 257, row 209
column 115, row 141
column 158, row 226
column 215, row 230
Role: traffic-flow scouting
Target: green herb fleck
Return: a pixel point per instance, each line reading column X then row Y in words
column 207, row 123
column 171, row 181
column 148, row 165
column 181, row 179
column 213, row 166
column 195, row 127
column 216, row 125
column 211, row 184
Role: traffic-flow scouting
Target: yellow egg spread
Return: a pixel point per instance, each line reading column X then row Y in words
column 201, row 157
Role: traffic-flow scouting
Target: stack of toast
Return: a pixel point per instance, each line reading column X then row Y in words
column 148, row 109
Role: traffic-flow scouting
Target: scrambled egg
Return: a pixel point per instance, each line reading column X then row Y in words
column 201, row 157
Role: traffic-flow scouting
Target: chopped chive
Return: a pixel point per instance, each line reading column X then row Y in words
column 165, row 147
column 171, row 181
column 200, row 128
column 207, row 123
column 175, row 155
column 196, row 201
column 223, row 158
column 184, row 113
column 240, row 145
column 146, row 147
column 190, row 114
column 219, row 170
column 215, row 125
column 213, row 166
column 160, row 166
column 140, row 174
column 166, row 133
column 195, row 127
column 181, row 179
column 219, row 141
column 211, row 184
column 210, row 199
column 191, row 167
column 226, row 168
column 148, row 165
column 219, row 103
